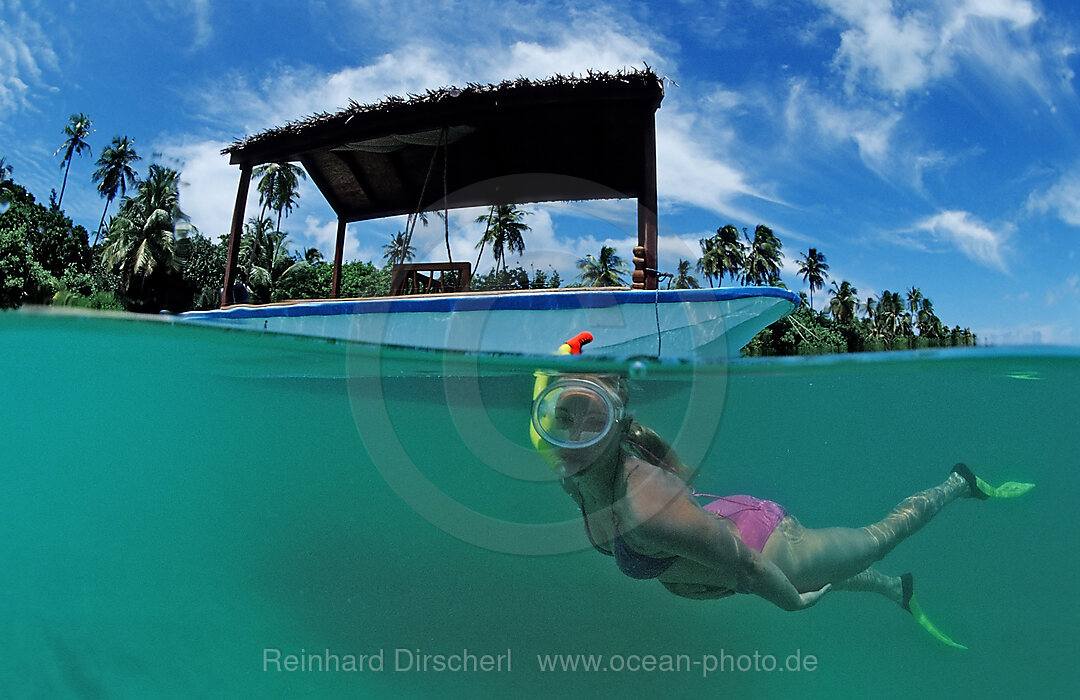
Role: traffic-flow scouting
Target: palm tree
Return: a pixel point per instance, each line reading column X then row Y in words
column 814, row 271
column 5, row 190
column 928, row 322
column 114, row 173
column 732, row 255
column 254, row 244
column 605, row 271
column 870, row 307
column 890, row 319
column 76, row 130
column 5, row 177
column 398, row 249
column 683, row 279
column 914, row 299
column 278, row 184
column 709, row 262
column 141, row 235
column 503, row 230
column 265, row 258
column 722, row 254
column 763, row 257
column 844, row 302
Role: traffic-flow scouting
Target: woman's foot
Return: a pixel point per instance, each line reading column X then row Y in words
column 972, row 481
column 907, row 586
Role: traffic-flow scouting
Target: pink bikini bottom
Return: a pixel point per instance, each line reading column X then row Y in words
column 756, row 519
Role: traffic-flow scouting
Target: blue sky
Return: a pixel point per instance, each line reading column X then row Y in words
column 928, row 144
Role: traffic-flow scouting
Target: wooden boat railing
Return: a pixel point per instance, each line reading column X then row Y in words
column 419, row 278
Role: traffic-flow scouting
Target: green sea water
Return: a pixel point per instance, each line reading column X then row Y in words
column 188, row 512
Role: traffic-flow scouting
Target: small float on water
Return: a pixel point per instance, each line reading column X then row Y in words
column 563, row 139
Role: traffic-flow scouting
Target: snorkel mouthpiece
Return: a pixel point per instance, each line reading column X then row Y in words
column 574, row 345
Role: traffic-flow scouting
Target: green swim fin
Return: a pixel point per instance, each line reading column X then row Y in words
column 1010, row 489
column 913, row 607
column 982, row 490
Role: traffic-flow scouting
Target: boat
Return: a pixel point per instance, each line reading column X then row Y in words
column 561, row 139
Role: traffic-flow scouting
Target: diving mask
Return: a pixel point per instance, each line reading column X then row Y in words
column 574, row 412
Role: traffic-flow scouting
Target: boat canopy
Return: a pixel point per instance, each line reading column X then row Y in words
column 561, row 139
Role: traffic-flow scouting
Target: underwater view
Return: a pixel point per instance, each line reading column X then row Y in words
column 202, row 512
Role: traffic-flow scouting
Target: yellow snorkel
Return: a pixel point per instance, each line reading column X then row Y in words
column 570, row 347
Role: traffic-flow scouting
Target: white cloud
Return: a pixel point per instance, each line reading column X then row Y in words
column 901, row 49
column 1063, row 198
column 969, row 235
column 204, row 29
column 869, row 128
column 589, row 41
column 1053, row 333
column 175, row 13
column 1070, row 289
column 208, row 184
column 25, row 51
column 895, row 54
column 724, row 100
column 689, row 172
column 322, row 234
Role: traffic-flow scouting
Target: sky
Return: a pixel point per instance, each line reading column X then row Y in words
column 915, row 144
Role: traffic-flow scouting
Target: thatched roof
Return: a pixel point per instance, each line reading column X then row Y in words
column 567, row 137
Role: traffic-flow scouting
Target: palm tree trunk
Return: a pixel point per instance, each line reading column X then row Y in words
column 63, row 186
column 101, row 225
column 483, row 241
column 479, row 255
column 446, row 235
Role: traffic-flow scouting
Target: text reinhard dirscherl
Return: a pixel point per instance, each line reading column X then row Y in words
column 398, row 660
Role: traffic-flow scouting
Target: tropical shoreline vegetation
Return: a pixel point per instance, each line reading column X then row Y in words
column 145, row 258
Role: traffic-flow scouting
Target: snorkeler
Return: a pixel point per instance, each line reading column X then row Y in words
column 636, row 505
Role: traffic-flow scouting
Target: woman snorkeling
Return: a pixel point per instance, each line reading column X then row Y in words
column 632, row 490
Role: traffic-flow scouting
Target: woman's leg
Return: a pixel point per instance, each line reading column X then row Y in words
column 873, row 581
column 813, row 558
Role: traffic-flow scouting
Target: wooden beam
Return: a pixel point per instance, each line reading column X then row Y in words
column 335, row 284
column 235, row 232
column 647, row 206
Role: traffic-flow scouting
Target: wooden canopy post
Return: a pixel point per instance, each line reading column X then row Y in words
column 339, row 245
column 235, row 232
column 645, row 276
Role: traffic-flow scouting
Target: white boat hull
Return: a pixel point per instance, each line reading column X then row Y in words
column 710, row 324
